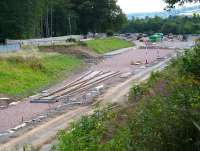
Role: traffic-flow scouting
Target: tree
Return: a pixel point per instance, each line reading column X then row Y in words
column 18, row 20
column 169, row 27
column 46, row 18
column 98, row 16
column 173, row 24
column 171, row 3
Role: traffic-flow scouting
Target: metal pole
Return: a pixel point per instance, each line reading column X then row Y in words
column 146, row 62
column 158, row 53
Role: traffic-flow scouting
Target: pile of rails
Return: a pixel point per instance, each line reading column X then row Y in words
column 80, row 87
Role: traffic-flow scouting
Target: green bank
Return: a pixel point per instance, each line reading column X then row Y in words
column 24, row 73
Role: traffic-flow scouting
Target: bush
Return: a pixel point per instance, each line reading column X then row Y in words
column 71, row 40
column 109, row 33
column 190, row 62
column 85, row 134
column 165, row 122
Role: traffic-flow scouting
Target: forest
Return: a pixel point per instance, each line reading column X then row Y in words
column 45, row 18
column 173, row 24
column 48, row 18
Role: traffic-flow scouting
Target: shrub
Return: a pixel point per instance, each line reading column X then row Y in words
column 136, row 93
column 165, row 122
column 71, row 40
column 109, row 33
column 86, row 133
column 190, row 62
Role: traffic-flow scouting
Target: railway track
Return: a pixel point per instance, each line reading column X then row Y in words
column 82, row 84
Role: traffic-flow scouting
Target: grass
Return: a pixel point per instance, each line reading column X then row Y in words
column 24, row 73
column 108, row 44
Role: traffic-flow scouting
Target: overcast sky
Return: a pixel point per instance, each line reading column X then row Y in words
column 132, row 6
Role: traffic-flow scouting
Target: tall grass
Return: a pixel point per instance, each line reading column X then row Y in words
column 32, row 60
column 25, row 73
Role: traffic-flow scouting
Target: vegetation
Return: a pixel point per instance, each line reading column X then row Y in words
column 23, row 73
column 90, row 129
column 162, row 114
column 45, row 18
column 171, row 3
column 175, row 25
column 108, row 44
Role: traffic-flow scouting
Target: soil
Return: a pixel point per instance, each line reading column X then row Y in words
column 123, row 61
column 78, row 50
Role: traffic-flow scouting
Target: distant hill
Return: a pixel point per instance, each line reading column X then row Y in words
column 188, row 11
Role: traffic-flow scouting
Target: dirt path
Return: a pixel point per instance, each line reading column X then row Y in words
column 120, row 91
column 46, row 132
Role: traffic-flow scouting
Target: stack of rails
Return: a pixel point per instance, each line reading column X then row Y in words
column 82, row 84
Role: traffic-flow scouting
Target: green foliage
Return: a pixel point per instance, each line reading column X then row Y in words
column 46, row 18
column 108, row 44
column 171, row 3
column 166, row 117
column 19, row 20
column 23, row 74
column 165, row 122
column 81, row 43
column 136, row 92
column 175, row 25
column 110, row 33
column 71, row 40
column 190, row 63
column 86, row 134
column 28, row 148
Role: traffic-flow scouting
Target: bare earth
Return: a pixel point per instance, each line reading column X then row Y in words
column 122, row 62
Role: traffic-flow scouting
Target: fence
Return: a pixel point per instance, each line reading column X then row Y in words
column 44, row 41
column 9, row 48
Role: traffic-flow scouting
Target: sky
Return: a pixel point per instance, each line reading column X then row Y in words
column 135, row 6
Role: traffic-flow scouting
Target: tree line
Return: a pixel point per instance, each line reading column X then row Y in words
column 46, row 18
column 173, row 24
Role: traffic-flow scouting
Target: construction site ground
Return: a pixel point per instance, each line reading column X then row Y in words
column 37, row 123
